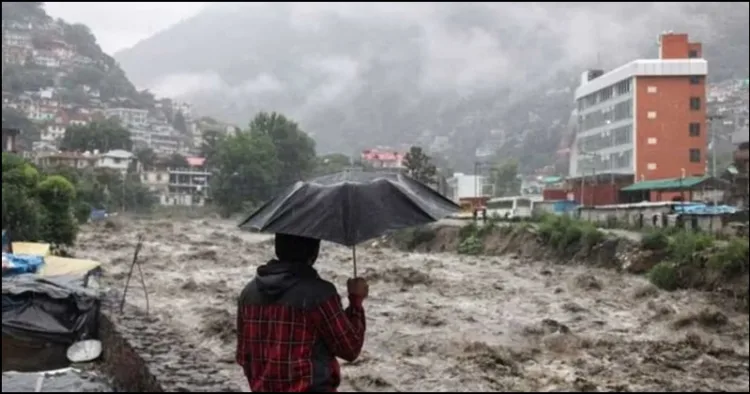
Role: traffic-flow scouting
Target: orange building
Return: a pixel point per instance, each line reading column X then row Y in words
column 645, row 120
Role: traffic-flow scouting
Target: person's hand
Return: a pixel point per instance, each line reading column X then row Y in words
column 358, row 287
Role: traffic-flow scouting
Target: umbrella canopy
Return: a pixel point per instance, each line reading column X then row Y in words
column 350, row 207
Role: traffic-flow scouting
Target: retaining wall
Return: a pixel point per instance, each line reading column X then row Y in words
column 142, row 354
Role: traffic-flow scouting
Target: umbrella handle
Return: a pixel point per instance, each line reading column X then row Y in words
column 354, row 259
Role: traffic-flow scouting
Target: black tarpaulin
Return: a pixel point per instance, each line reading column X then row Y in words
column 55, row 309
column 350, row 207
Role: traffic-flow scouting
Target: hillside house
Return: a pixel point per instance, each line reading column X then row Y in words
column 189, row 186
column 128, row 116
column 117, row 159
column 67, row 159
column 46, row 58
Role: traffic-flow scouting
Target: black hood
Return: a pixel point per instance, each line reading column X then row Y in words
column 296, row 249
column 276, row 277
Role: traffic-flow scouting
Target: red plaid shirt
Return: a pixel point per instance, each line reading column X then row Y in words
column 276, row 344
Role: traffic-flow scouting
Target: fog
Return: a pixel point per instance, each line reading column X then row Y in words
column 461, row 47
column 407, row 73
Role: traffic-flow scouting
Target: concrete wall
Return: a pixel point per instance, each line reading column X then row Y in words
column 142, row 354
column 652, row 218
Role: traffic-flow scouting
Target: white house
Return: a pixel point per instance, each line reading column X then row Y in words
column 128, row 116
column 117, row 159
column 468, row 186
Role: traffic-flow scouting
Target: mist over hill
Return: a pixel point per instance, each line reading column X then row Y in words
column 452, row 77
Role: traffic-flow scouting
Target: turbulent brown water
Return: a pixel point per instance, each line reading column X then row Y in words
column 447, row 322
column 67, row 380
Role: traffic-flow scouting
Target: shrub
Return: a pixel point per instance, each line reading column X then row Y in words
column 82, row 211
column 664, row 275
column 591, row 236
column 686, row 246
column 731, row 260
column 57, row 195
column 472, row 245
column 655, row 240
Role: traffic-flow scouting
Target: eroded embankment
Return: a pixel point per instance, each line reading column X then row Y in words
column 682, row 260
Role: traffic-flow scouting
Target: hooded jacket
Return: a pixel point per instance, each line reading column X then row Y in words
column 291, row 325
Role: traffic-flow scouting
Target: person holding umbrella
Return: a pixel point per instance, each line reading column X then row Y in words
column 291, row 325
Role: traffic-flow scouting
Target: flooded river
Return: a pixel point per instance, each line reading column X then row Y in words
column 447, row 322
column 68, row 380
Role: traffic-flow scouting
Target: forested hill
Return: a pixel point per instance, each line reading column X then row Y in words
column 44, row 54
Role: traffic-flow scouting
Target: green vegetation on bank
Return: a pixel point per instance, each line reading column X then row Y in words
column 679, row 259
column 696, row 260
column 49, row 205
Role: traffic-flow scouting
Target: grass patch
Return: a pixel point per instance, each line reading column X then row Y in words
column 565, row 234
column 655, row 240
column 471, row 237
column 696, row 260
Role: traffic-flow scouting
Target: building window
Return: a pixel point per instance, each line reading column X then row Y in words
column 651, row 114
column 651, row 89
column 695, row 79
column 692, row 54
column 695, row 129
column 695, row 155
column 695, row 103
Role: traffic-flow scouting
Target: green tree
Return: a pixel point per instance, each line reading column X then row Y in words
column 101, row 135
column 247, row 167
column 210, row 144
column 179, row 123
column 505, row 179
column 419, row 166
column 295, row 149
column 57, row 196
column 21, row 211
column 175, row 160
column 147, row 158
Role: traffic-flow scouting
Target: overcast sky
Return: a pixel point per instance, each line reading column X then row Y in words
column 121, row 25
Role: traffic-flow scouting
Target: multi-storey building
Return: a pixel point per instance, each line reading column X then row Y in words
column 645, row 120
column 188, row 186
column 128, row 116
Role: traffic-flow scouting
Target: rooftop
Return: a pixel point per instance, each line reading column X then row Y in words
column 674, row 184
column 646, row 68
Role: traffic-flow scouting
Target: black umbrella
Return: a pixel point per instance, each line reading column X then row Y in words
column 350, row 207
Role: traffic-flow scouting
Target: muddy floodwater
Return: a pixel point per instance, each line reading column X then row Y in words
column 445, row 322
column 68, row 380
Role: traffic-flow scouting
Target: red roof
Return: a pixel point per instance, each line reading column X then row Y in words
column 372, row 154
column 196, row 161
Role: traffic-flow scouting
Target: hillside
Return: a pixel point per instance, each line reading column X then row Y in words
column 49, row 65
column 452, row 77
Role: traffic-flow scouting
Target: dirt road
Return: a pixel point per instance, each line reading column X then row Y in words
column 451, row 323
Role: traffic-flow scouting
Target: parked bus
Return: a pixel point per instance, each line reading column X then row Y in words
column 510, row 208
